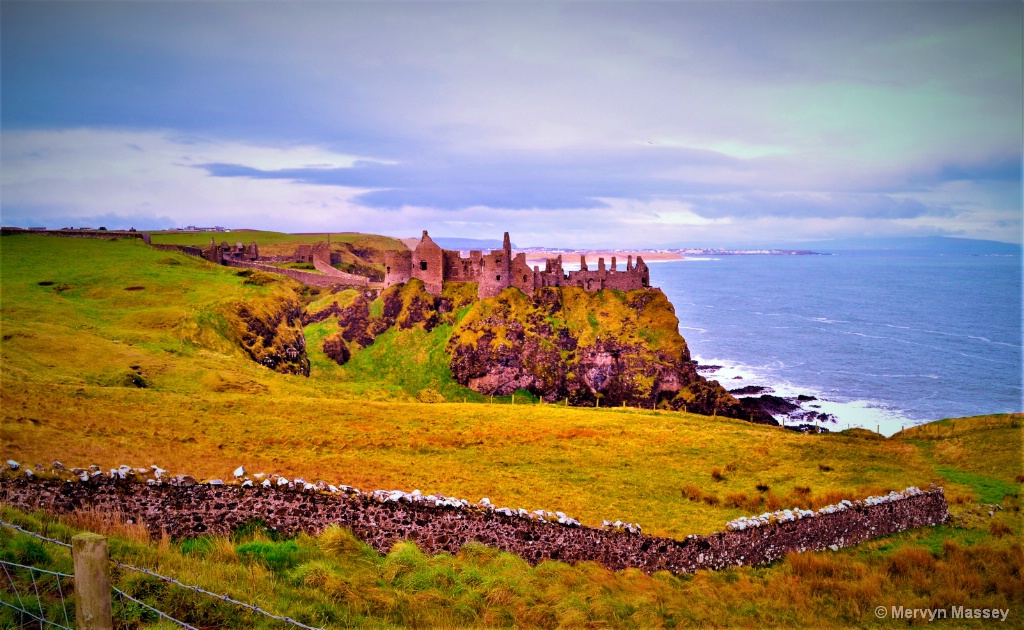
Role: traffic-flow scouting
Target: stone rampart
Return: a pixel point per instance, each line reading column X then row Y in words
column 305, row 277
column 192, row 510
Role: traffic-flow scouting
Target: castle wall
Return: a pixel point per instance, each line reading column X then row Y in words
column 397, row 267
column 499, row 270
column 322, row 261
column 186, row 511
column 428, row 265
column 521, row 275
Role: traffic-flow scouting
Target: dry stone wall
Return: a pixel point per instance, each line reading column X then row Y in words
column 104, row 234
column 190, row 510
column 185, row 249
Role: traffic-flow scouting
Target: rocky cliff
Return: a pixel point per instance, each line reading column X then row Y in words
column 269, row 327
column 607, row 348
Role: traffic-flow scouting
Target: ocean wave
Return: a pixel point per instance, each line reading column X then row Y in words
column 848, row 412
column 949, row 334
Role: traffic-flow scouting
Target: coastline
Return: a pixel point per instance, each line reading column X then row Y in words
column 843, row 412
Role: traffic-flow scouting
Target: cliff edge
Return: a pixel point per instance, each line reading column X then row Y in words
column 605, row 348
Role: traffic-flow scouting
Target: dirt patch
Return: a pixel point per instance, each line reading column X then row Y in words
column 134, row 288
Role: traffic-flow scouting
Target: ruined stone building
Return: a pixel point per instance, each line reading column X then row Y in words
column 219, row 253
column 500, row 270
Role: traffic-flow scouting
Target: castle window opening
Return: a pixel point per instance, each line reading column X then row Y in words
column 497, row 277
column 423, row 265
column 524, row 278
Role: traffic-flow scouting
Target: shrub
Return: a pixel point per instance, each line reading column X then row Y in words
column 429, row 396
column 907, row 561
column 737, row 499
column 999, row 529
column 338, row 541
column 278, row 556
column 711, row 499
column 824, row 468
column 717, row 474
column 27, row 551
column 196, row 546
column 692, row 493
column 762, row 487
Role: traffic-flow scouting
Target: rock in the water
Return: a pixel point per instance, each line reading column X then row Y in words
column 13, row 464
column 749, row 390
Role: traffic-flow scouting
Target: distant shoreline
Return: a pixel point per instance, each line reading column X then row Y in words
column 537, row 255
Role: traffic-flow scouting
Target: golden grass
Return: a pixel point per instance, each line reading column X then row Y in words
column 337, row 581
column 67, row 361
column 108, row 522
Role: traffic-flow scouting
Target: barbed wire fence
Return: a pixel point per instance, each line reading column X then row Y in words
column 31, row 605
column 51, row 607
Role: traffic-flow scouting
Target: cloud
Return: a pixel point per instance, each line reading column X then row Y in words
column 452, row 115
column 143, row 178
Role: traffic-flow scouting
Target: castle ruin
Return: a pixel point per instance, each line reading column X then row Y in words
column 499, row 270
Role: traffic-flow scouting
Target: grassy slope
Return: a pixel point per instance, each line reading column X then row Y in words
column 66, row 355
column 276, row 243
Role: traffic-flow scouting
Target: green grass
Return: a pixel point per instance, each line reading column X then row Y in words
column 336, row 580
column 276, row 243
column 70, row 350
column 987, row 489
column 411, row 359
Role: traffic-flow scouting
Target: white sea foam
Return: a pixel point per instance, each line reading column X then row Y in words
column 865, row 414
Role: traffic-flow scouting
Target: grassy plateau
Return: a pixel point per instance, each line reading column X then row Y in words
column 116, row 353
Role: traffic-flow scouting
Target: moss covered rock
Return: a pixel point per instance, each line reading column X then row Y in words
column 565, row 343
column 270, row 331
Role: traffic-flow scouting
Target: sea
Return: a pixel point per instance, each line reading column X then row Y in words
column 882, row 340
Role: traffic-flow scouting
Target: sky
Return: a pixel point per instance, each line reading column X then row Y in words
column 584, row 124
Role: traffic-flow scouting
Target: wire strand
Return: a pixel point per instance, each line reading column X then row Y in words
column 158, row 612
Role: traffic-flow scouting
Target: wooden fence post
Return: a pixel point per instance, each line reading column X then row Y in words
column 92, row 582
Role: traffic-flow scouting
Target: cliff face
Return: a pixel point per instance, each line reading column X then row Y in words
column 562, row 343
column 565, row 343
column 269, row 328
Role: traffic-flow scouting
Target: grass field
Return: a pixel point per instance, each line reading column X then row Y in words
column 276, row 243
column 97, row 370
